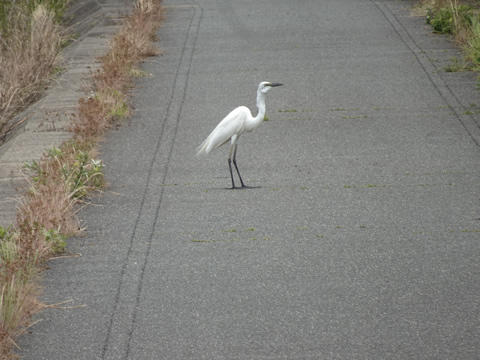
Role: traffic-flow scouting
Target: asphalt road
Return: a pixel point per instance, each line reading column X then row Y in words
column 360, row 237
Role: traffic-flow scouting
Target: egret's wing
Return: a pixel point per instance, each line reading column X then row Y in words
column 233, row 123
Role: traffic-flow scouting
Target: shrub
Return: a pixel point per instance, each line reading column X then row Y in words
column 448, row 19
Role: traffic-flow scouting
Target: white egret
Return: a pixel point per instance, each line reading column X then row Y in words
column 235, row 124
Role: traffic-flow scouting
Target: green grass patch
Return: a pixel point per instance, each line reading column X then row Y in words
column 456, row 65
column 462, row 20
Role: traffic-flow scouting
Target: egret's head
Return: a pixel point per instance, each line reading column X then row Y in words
column 266, row 86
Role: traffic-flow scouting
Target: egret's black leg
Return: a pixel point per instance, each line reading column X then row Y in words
column 231, row 173
column 230, row 166
column 236, row 167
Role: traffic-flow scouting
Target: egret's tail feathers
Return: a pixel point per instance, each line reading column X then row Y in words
column 216, row 139
column 202, row 149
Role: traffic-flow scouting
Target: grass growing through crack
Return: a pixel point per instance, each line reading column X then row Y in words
column 66, row 174
column 366, row 186
column 456, row 65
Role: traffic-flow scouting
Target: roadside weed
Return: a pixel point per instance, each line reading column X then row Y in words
column 65, row 174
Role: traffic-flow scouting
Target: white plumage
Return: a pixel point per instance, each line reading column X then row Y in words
column 237, row 122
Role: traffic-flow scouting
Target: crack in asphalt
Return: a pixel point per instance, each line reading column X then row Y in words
column 119, row 333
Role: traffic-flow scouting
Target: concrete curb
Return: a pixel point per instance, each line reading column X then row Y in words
column 93, row 23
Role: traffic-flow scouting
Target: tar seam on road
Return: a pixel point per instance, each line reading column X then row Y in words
column 424, row 64
column 177, row 96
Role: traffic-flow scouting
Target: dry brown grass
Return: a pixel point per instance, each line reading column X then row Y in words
column 45, row 218
column 64, row 175
column 27, row 56
column 18, row 304
column 92, row 120
column 131, row 44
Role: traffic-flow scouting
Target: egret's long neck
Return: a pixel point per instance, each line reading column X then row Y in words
column 257, row 120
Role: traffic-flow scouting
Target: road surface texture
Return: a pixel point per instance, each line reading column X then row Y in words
column 360, row 236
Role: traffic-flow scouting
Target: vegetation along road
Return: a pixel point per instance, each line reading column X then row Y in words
column 359, row 236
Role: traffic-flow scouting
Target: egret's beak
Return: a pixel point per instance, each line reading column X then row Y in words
column 275, row 84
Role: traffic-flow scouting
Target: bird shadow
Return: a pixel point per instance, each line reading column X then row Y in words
column 236, row 188
column 244, row 188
